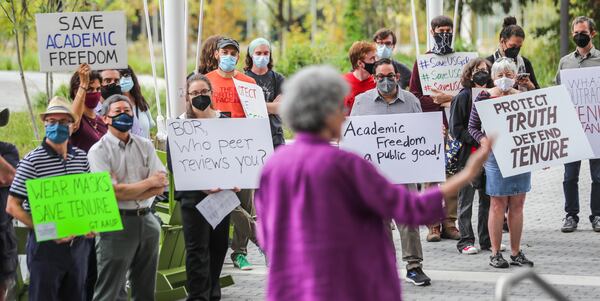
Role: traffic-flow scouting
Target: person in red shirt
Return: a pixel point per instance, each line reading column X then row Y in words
column 224, row 95
column 362, row 57
column 441, row 30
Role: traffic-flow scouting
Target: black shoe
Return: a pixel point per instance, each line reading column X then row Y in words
column 417, row 277
column 520, row 260
column 596, row 223
column 570, row 225
column 498, row 261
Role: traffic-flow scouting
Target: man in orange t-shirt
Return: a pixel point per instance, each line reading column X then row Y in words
column 224, row 94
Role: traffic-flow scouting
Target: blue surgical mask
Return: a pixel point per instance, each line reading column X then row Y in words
column 57, row 133
column 260, row 61
column 122, row 122
column 384, row 52
column 126, row 84
column 227, row 63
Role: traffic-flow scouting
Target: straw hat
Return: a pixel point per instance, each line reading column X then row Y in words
column 58, row 105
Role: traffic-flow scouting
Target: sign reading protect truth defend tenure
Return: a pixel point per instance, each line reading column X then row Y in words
column 406, row 148
column 219, row 152
column 442, row 72
column 252, row 98
column 535, row 129
column 73, row 205
column 66, row 40
column 584, row 86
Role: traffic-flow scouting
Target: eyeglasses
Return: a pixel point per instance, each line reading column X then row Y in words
column 388, row 43
column 61, row 122
column 198, row 93
column 380, row 77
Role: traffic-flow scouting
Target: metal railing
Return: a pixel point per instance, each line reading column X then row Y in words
column 506, row 283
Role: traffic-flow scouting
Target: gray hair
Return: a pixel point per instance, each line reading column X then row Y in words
column 112, row 99
column 504, row 64
column 310, row 96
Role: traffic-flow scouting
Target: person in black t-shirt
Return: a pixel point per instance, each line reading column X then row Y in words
column 259, row 65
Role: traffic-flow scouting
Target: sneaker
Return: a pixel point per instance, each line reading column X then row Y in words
column 502, row 248
column 469, row 250
column 520, row 260
column 498, row 261
column 570, row 225
column 242, row 263
column 451, row 232
column 434, row 234
column 417, row 277
column 596, row 223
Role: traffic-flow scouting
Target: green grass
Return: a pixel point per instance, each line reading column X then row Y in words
column 20, row 132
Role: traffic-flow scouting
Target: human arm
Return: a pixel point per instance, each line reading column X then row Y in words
column 14, row 207
column 7, row 173
column 273, row 107
column 460, row 112
column 79, row 102
column 9, row 158
column 474, row 120
column 529, row 67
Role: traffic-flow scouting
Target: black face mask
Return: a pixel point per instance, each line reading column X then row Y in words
column 582, row 40
column 443, row 43
column 512, row 52
column 370, row 67
column 481, row 78
column 201, row 102
column 110, row 90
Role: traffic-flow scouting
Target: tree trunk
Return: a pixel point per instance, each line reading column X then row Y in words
column 564, row 27
column 22, row 74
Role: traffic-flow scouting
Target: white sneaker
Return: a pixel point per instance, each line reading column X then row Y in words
column 469, row 250
column 502, row 247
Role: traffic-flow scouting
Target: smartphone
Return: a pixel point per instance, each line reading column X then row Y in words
column 521, row 76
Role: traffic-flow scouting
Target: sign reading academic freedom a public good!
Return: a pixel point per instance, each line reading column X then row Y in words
column 406, row 148
column 67, row 40
column 219, row 152
column 584, row 86
column 442, row 72
column 534, row 129
column 73, row 205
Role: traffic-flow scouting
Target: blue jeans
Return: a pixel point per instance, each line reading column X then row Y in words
column 571, row 188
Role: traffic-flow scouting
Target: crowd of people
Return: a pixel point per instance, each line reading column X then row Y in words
column 323, row 217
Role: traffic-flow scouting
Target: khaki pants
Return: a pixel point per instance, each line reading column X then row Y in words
column 244, row 228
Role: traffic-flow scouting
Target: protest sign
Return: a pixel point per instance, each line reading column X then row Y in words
column 252, row 98
column 218, row 153
column 584, row 86
column 66, row 40
column 216, row 206
column 73, row 205
column 406, row 148
column 442, row 72
column 535, row 129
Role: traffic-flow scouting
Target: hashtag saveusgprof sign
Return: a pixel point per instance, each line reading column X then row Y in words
column 442, row 72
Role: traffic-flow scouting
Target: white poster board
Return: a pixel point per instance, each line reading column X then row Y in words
column 406, row 148
column 252, row 98
column 534, row 129
column 584, row 86
column 218, row 153
column 216, row 206
column 66, row 40
column 442, row 72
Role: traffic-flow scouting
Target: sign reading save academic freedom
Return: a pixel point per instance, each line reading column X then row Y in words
column 406, row 148
column 67, row 40
column 73, row 205
column 442, row 72
column 535, row 129
column 584, row 86
column 218, row 153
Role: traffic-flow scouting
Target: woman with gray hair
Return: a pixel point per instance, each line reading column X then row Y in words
column 308, row 186
column 505, row 193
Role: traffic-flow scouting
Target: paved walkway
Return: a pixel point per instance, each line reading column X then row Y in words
column 569, row 261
